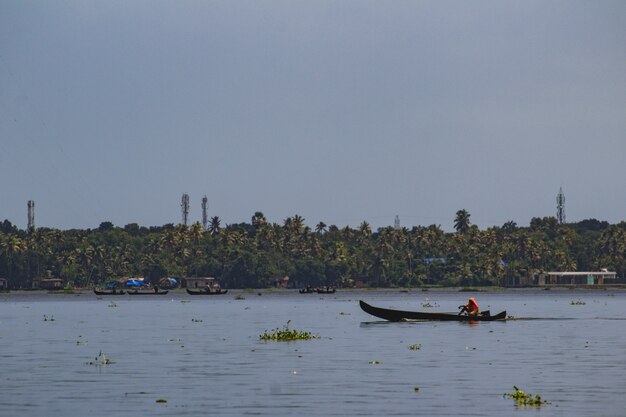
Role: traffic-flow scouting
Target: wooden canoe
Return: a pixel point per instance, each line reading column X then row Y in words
column 147, row 292
column 399, row 315
column 109, row 292
column 205, row 292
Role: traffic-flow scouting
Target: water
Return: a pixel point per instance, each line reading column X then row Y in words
column 203, row 355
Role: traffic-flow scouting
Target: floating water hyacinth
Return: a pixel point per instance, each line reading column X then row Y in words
column 416, row 346
column 524, row 399
column 578, row 303
column 286, row 334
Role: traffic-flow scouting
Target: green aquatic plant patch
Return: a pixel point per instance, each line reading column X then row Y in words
column 416, row 346
column 525, row 399
column 286, row 334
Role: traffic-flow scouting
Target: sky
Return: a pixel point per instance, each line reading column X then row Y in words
column 340, row 112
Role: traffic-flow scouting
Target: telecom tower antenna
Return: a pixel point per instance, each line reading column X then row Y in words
column 396, row 223
column 31, row 215
column 205, row 216
column 560, row 206
column 184, row 204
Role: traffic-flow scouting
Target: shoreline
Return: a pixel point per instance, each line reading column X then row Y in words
column 271, row 290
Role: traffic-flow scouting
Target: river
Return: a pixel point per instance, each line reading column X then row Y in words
column 202, row 355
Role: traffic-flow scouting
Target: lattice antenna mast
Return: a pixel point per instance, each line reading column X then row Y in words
column 560, row 206
column 396, row 223
column 205, row 215
column 184, row 204
column 31, row 215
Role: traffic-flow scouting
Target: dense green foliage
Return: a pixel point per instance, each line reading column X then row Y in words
column 256, row 254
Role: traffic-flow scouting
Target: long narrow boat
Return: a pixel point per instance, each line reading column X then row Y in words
column 147, row 292
column 108, row 292
column 399, row 315
column 205, row 292
column 325, row 291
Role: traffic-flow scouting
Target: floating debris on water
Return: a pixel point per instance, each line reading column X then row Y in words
column 578, row 303
column 375, row 362
column 239, row 297
column 524, row 399
column 196, row 320
column 100, row 360
column 161, row 400
column 286, row 334
column 416, row 346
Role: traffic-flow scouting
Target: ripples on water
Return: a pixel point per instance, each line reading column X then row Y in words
column 203, row 355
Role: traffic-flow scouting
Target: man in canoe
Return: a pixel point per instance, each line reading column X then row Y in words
column 471, row 308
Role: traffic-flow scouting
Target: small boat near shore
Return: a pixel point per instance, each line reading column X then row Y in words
column 206, row 292
column 399, row 315
column 153, row 292
column 321, row 290
column 109, row 292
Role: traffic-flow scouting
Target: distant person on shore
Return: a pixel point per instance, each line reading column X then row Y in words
column 471, row 308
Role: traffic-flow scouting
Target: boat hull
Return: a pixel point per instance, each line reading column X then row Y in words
column 147, row 293
column 202, row 292
column 121, row 292
column 399, row 315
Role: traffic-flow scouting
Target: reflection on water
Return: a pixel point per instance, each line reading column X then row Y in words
column 205, row 358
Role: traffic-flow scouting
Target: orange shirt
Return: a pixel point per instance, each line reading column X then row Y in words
column 472, row 305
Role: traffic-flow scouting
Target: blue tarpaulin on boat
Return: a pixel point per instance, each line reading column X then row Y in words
column 133, row 283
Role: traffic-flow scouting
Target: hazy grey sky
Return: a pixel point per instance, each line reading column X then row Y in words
column 339, row 111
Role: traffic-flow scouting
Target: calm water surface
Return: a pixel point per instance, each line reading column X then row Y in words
column 203, row 355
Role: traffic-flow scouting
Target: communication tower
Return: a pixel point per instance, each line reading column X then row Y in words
column 205, row 216
column 184, row 204
column 31, row 215
column 560, row 206
column 396, row 223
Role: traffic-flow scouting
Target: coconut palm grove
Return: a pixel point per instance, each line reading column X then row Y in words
column 257, row 254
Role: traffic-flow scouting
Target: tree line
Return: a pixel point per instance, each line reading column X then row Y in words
column 257, row 254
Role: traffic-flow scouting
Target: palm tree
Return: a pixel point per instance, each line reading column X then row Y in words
column 12, row 247
column 297, row 224
column 258, row 220
column 365, row 231
column 461, row 221
column 196, row 232
column 214, row 226
column 321, row 227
